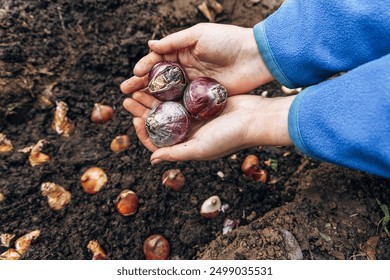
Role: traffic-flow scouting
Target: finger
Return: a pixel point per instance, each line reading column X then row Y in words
column 145, row 99
column 180, row 152
column 135, row 108
column 175, row 41
column 146, row 63
column 140, row 129
column 133, row 84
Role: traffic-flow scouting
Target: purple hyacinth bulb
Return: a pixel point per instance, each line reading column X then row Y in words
column 168, row 123
column 167, row 81
column 205, row 98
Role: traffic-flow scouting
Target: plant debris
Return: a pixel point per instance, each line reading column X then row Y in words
column 57, row 196
column 36, row 156
column 5, row 144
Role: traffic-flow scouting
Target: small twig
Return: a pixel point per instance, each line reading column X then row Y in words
column 61, row 19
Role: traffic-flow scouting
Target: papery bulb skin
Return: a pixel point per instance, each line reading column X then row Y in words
column 205, row 98
column 167, row 124
column 167, row 81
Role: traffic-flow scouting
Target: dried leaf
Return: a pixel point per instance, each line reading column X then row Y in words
column 22, row 244
column 10, row 254
column 5, row 144
column 57, row 196
column 97, row 250
column 61, row 124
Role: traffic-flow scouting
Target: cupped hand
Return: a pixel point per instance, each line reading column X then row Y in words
column 246, row 121
column 226, row 53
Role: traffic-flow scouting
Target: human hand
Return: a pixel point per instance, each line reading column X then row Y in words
column 246, row 121
column 227, row 53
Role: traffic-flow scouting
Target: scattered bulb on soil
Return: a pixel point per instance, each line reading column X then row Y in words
column 93, row 180
column 211, row 207
column 61, row 123
column 287, row 90
column 205, row 98
column 96, row 250
column 233, row 156
column 229, row 225
column 167, row 81
column 173, row 179
column 10, row 255
column 127, row 203
column 5, row 144
column 2, row 197
column 36, row 156
column 250, row 167
column 5, row 239
column 156, row 247
column 260, row 176
column 101, row 113
column 57, row 196
column 22, row 244
column 120, row 143
column 167, row 124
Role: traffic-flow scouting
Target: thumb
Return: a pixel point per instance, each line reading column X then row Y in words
column 175, row 41
column 180, row 152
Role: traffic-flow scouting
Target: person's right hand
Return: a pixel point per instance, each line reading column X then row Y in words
column 226, row 53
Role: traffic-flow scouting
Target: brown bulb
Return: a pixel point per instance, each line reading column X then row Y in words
column 127, row 203
column 120, row 143
column 250, row 165
column 260, row 176
column 156, row 247
column 93, row 180
column 174, row 179
column 211, row 207
column 101, row 113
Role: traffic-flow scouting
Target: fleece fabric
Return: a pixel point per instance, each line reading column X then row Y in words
column 344, row 120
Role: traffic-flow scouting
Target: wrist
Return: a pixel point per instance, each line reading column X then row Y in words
column 269, row 125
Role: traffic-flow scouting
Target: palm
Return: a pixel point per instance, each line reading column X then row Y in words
column 220, row 136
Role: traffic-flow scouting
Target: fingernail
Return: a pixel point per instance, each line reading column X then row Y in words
column 156, row 161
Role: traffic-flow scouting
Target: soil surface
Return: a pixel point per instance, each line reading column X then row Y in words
column 79, row 52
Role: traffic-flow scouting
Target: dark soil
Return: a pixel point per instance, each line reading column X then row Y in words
column 79, row 52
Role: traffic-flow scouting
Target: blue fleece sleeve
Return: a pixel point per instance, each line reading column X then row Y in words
column 305, row 42
column 346, row 120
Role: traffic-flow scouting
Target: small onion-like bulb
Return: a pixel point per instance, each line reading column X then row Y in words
column 167, row 124
column 101, row 113
column 205, row 98
column 156, row 247
column 120, row 143
column 127, row 203
column 93, row 180
column 211, row 207
column 167, row 81
column 173, row 179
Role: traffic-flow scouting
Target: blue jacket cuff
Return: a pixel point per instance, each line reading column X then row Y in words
column 293, row 125
column 268, row 57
